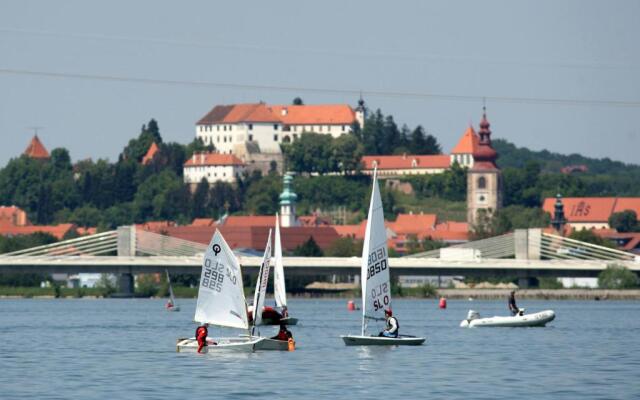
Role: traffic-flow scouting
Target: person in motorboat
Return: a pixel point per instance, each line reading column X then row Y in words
column 392, row 326
column 512, row 303
column 283, row 334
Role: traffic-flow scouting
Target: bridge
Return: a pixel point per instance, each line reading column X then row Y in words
column 127, row 251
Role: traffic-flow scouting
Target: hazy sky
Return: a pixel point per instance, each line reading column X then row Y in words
column 427, row 63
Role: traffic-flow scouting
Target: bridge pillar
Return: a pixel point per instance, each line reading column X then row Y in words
column 126, row 248
column 527, row 244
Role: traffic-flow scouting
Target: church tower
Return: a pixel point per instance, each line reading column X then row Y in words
column 361, row 112
column 484, row 180
column 288, row 204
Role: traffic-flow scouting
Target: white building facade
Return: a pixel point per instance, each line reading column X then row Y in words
column 228, row 126
column 213, row 167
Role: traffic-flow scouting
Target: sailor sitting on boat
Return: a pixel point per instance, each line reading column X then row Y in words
column 283, row 334
column 392, row 326
column 512, row 304
column 201, row 336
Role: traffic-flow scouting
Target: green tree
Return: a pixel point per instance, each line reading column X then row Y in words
column 137, row 148
column 200, row 200
column 297, row 101
column 345, row 247
column 347, row 154
column 617, row 277
column 589, row 236
column 624, row 221
column 310, row 153
column 308, row 249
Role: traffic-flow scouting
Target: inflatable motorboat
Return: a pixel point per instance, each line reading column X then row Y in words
column 520, row 320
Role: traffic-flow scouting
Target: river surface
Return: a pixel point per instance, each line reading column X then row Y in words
column 125, row 349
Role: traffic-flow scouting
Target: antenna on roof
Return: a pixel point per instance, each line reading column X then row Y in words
column 35, row 129
column 484, row 104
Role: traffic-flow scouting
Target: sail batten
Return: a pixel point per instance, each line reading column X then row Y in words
column 221, row 298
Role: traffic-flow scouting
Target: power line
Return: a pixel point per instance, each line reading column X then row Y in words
column 301, row 89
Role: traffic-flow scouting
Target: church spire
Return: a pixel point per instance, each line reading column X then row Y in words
column 485, row 157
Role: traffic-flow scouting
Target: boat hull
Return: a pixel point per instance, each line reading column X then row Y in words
column 283, row 321
column 237, row 344
column 358, row 340
column 175, row 308
column 519, row 321
column 273, row 344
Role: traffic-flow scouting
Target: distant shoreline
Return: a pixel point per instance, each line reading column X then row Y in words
column 453, row 294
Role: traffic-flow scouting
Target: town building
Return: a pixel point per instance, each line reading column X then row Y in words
column 36, row 149
column 484, row 179
column 151, row 153
column 213, row 167
column 591, row 212
column 401, row 165
column 227, row 126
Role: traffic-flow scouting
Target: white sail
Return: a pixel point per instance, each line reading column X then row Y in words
column 376, row 288
column 173, row 299
column 279, row 289
column 221, row 298
column 261, row 284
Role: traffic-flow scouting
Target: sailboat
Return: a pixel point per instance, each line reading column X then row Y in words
column 271, row 316
column 376, row 285
column 221, row 300
column 259, row 298
column 171, row 303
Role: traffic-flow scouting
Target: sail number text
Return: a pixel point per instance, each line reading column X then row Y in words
column 380, row 296
column 214, row 274
column 377, row 262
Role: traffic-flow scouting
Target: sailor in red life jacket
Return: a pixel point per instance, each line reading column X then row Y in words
column 392, row 327
column 169, row 303
column 283, row 334
column 201, row 336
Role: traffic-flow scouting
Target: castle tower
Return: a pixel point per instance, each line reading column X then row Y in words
column 361, row 112
column 288, row 203
column 484, row 180
column 36, row 149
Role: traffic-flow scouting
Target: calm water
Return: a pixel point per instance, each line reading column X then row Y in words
column 117, row 349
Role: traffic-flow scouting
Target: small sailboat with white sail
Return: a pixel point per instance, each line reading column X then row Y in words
column 271, row 316
column 171, row 302
column 258, row 302
column 375, row 278
column 221, row 300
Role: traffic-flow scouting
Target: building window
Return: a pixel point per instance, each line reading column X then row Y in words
column 250, row 128
column 225, row 139
column 320, row 128
column 250, row 138
column 295, row 128
column 344, row 128
column 328, row 128
column 295, row 136
column 275, row 138
column 275, row 127
column 482, row 183
column 286, row 139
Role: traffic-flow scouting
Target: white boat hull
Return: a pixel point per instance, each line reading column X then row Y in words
column 240, row 344
column 358, row 340
column 527, row 320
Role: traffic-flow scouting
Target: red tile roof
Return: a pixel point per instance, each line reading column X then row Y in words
column 628, row 203
column 320, row 114
column 250, row 220
column 255, row 237
column 153, row 149
column 468, row 143
column 413, row 223
column 86, row 231
column 13, row 216
column 58, row 231
column 36, row 149
column 406, row 162
column 326, row 114
column 592, row 209
column 203, row 222
column 200, row 159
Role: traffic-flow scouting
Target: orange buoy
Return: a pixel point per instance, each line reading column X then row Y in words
column 351, row 306
column 291, row 345
column 443, row 302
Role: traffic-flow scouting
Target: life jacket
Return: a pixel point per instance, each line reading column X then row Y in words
column 201, row 333
column 389, row 324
